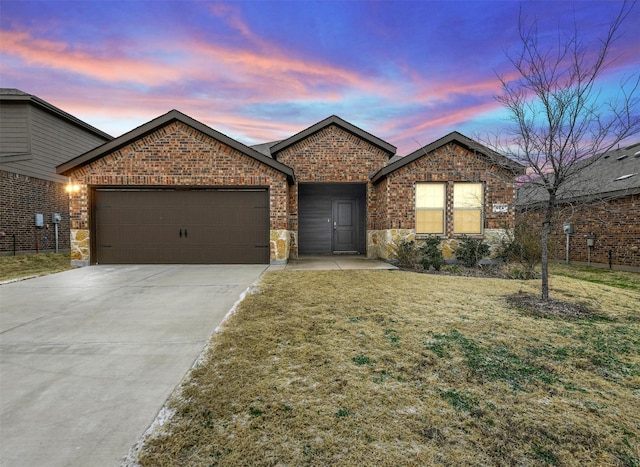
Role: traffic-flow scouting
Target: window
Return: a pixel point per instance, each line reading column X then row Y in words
column 430, row 208
column 467, row 208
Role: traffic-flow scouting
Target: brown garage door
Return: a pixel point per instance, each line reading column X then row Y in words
column 181, row 226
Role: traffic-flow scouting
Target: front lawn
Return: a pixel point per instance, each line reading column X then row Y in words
column 392, row 368
column 20, row 266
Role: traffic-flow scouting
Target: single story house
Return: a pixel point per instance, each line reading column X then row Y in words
column 35, row 137
column 177, row 191
column 598, row 211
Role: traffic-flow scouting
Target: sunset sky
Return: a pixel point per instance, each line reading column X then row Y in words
column 406, row 71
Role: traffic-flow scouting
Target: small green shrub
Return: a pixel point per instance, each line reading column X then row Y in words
column 471, row 251
column 407, row 254
column 430, row 254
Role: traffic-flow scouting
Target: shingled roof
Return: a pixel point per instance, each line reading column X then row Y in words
column 611, row 175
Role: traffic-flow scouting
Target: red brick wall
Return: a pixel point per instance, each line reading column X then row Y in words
column 332, row 155
column 616, row 224
column 22, row 197
column 179, row 155
column 450, row 163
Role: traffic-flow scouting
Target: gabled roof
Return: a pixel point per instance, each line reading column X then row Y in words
column 453, row 137
column 264, row 148
column 16, row 95
column 157, row 123
column 334, row 120
column 613, row 174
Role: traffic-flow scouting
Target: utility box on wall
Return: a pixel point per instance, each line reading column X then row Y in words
column 567, row 228
column 56, row 218
column 39, row 220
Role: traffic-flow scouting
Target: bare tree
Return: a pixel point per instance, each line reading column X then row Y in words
column 560, row 120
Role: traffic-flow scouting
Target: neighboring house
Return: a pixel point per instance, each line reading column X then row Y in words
column 176, row 191
column 35, row 137
column 600, row 206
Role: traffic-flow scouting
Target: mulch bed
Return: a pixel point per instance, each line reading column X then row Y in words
column 535, row 305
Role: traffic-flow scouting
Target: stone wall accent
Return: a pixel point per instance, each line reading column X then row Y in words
column 80, row 250
column 22, row 197
column 293, row 244
column 394, row 220
column 281, row 243
column 178, row 155
column 382, row 243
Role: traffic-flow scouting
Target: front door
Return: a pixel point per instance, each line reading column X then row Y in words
column 345, row 225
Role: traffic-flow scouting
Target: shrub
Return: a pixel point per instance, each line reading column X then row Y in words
column 430, row 254
column 522, row 245
column 471, row 251
column 407, row 254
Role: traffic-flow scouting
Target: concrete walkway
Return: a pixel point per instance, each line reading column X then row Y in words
column 332, row 262
column 89, row 356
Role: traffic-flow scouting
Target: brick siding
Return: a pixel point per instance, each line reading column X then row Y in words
column 615, row 224
column 178, row 155
column 450, row 163
column 332, row 155
column 23, row 197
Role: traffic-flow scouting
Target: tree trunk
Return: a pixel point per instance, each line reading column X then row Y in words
column 546, row 227
column 546, row 230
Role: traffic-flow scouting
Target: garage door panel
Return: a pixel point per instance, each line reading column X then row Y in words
column 181, row 226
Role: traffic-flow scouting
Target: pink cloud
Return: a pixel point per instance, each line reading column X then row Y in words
column 419, row 130
column 105, row 67
column 275, row 75
column 233, row 16
column 126, row 110
column 259, row 73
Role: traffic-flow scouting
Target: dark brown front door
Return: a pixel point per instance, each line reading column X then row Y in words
column 345, row 225
column 331, row 218
column 181, row 226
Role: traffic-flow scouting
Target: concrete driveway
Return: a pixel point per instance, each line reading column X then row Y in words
column 89, row 356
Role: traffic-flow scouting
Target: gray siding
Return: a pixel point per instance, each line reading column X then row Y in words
column 52, row 141
column 14, row 129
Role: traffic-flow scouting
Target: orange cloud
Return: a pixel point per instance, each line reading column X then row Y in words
column 418, row 130
column 105, row 67
column 126, row 110
column 265, row 73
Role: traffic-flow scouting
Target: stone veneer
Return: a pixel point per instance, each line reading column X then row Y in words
column 383, row 243
column 80, row 247
column 283, row 245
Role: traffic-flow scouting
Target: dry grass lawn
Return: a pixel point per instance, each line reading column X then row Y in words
column 391, row 368
column 15, row 267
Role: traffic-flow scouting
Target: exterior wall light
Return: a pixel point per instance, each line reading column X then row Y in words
column 72, row 187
